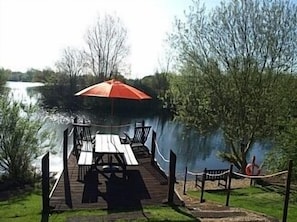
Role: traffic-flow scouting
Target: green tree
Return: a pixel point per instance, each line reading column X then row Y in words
column 234, row 62
column 158, row 83
column 22, row 139
column 4, row 74
column 284, row 150
column 285, row 139
column 31, row 75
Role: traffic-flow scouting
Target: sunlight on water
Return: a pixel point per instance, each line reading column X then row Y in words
column 192, row 150
column 19, row 92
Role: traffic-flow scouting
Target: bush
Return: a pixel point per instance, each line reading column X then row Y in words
column 22, row 140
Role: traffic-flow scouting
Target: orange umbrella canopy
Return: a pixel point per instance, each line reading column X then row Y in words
column 113, row 89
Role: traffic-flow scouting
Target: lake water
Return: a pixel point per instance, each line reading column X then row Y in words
column 192, row 150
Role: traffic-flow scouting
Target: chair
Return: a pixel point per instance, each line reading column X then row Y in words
column 139, row 124
column 83, row 136
column 140, row 136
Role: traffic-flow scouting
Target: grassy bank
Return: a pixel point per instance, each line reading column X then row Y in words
column 257, row 199
column 27, row 208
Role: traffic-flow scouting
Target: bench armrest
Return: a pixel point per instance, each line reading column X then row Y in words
column 125, row 139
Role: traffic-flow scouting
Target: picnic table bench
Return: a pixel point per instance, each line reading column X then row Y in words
column 130, row 158
column 220, row 175
column 85, row 159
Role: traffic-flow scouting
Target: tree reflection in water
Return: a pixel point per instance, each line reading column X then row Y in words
column 192, row 150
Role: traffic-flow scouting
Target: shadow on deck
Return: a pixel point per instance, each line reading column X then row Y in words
column 144, row 184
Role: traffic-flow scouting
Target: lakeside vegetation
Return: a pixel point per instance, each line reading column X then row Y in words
column 257, row 199
column 236, row 74
column 239, row 81
column 59, row 90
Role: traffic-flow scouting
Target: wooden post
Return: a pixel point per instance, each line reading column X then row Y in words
column 45, row 183
column 202, row 186
column 67, row 191
column 65, row 150
column 185, row 180
column 84, row 129
column 153, row 148
column 253, row 164
column 287, row 196
column 229, row 184
column 142, row 132
column 172, row 166
column 75, row 138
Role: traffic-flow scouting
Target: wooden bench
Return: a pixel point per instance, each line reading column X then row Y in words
column 85, row 160
column 220, row 175
column 129, row 159
column 87, row 146
column 129, row 155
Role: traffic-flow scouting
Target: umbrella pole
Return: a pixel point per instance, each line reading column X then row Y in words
column 111, row 119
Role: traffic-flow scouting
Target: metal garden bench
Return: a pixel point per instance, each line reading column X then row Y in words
column 220, row 175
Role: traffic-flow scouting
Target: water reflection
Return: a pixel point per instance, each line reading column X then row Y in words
column 24, row 92
column 192, row 150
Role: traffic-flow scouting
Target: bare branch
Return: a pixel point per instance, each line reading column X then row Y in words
column 107, row 46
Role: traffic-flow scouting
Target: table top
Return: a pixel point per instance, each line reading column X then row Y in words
column 108, row 143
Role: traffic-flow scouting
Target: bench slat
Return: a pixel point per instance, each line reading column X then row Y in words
column 85, row 158
column 87, row 146
column 211, row 175
column 129, row 155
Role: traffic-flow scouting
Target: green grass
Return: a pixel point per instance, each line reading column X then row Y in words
column 253, row 198
column 27, row 208
column 155, row 213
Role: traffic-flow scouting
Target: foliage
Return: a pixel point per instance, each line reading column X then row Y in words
column 59, row 94
column 35, row 75
column 285, row 139
column 235, row 63
column 156, row 85
column 277, row 159
column 60, row 88
column 4, row 74
column 22, row 139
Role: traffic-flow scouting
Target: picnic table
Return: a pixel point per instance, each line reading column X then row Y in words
column 110, row 144
column 108, row 154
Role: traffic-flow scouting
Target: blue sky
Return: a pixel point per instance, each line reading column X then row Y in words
column 34, row 32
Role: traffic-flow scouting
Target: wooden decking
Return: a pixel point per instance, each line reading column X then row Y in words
column 144, row 185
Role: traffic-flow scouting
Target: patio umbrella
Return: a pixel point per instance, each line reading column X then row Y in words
column 113, row 89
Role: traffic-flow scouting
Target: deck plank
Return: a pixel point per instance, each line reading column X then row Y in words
column 144, row 184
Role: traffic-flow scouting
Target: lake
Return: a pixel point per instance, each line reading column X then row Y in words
column 192, row 150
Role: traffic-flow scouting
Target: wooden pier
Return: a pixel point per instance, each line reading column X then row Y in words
column 144, row 184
